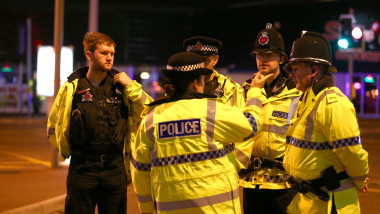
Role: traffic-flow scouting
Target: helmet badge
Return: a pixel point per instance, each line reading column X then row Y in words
column 264, row 39
column 198, row 45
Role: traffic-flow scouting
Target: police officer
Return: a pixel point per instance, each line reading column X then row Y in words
column 324, row 151
column 180, row 156
column 228, row 91
column 92, row 121
column 264, row 190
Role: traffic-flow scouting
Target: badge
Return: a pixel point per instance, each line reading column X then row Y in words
column 264, row 39
column 87, row 97
column 198, row 45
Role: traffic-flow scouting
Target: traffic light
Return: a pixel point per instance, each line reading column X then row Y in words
column 351, row 34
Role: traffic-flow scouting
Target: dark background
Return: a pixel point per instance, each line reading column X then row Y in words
column 149, row 31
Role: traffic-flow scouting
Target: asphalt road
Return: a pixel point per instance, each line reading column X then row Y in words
column 26, row 176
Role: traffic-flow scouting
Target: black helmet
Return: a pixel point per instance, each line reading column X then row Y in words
column 312, row 47
column 269, row 40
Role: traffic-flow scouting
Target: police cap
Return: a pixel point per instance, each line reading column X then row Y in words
column 202, row 45
column 269, row 40
column 186, row 64
column 312, row 47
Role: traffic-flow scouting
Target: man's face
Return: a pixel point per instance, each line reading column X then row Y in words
column 301, row 74
column 268, row 62
column 210, row 61
column 102, row 58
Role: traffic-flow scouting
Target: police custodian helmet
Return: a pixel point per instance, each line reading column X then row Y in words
column 269, row 40
column 312, row 47
column 202, row 45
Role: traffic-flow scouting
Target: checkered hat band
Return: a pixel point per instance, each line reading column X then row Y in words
column 195, row 157
column 326, row 145
column 211, row 48
column 185, row 67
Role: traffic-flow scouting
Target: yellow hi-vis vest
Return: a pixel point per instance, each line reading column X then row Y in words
column 180, row 161
column 59, row 119
column 326, row 133
column 233, row 93
column 270, row 143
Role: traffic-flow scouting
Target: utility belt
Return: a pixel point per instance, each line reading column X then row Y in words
column 262, row 163
column 96, row 157
column 330, row 179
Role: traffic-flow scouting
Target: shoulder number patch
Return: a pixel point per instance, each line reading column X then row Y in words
column 179, row 128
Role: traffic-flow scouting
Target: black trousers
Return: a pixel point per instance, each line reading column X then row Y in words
column 266, row 200
column 91, row 183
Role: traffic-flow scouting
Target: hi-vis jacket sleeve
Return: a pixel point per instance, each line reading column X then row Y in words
column 339, row 123
column 243, row 149
column 53, row 117
column 141, row 168
column 137, row 99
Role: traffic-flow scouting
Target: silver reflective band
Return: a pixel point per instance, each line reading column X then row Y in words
column 210, row 124
column 186, row 67
column 198, row 202
column 255, row 102
column 143, row 198
column 358, row 178
column 274, row 129
column 347, row 184
column 240, row 156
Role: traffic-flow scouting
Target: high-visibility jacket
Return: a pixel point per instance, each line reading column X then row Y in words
column 180, row 161
column 59, row 119
column 270, row 143
column 326, row 133
column 233, row 92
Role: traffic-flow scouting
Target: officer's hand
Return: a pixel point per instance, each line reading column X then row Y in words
column 122, row 78
column 365, row 189
column 259, row 80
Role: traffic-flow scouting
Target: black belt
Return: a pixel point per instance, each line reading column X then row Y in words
column 96, row 157
column 320, row 182
column 259, row 162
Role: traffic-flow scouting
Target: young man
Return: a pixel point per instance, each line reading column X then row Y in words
column 264, row 189
column 92, row 120
column 228, row 91
column 324, row 157
column 180, row 156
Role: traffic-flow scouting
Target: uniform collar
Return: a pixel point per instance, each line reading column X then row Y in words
column 185, row 96
column 325, row 82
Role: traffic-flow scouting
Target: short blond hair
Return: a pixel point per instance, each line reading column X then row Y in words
column 92, row 39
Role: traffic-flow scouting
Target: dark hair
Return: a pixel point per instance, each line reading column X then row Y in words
column 180, row 83
column 92, row 39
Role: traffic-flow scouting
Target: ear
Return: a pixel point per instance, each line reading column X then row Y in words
column 314, row 71
column 282, row 59
column 216, row 59
column 88, row 55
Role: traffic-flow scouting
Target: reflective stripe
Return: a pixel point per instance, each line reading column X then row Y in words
column 149, row 126
column 274, row 129
column 292, row 108
column 255, row 102
column 198, row 202
column 143, row 198
column 51, row 131
column 195, row 157
column 252, row 122
column 358, row 178
column 240, row 156
column 347, row 184
column 140, row 166
column 142, row 99
column 210, row 123
column 309, row 121
column 326, row 145
column 276, row 178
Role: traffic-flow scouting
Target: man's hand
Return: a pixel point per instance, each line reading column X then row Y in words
column 259, row 80
column 365, row 189
column 122, row 78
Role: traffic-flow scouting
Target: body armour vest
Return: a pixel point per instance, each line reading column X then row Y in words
column 98, row 118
